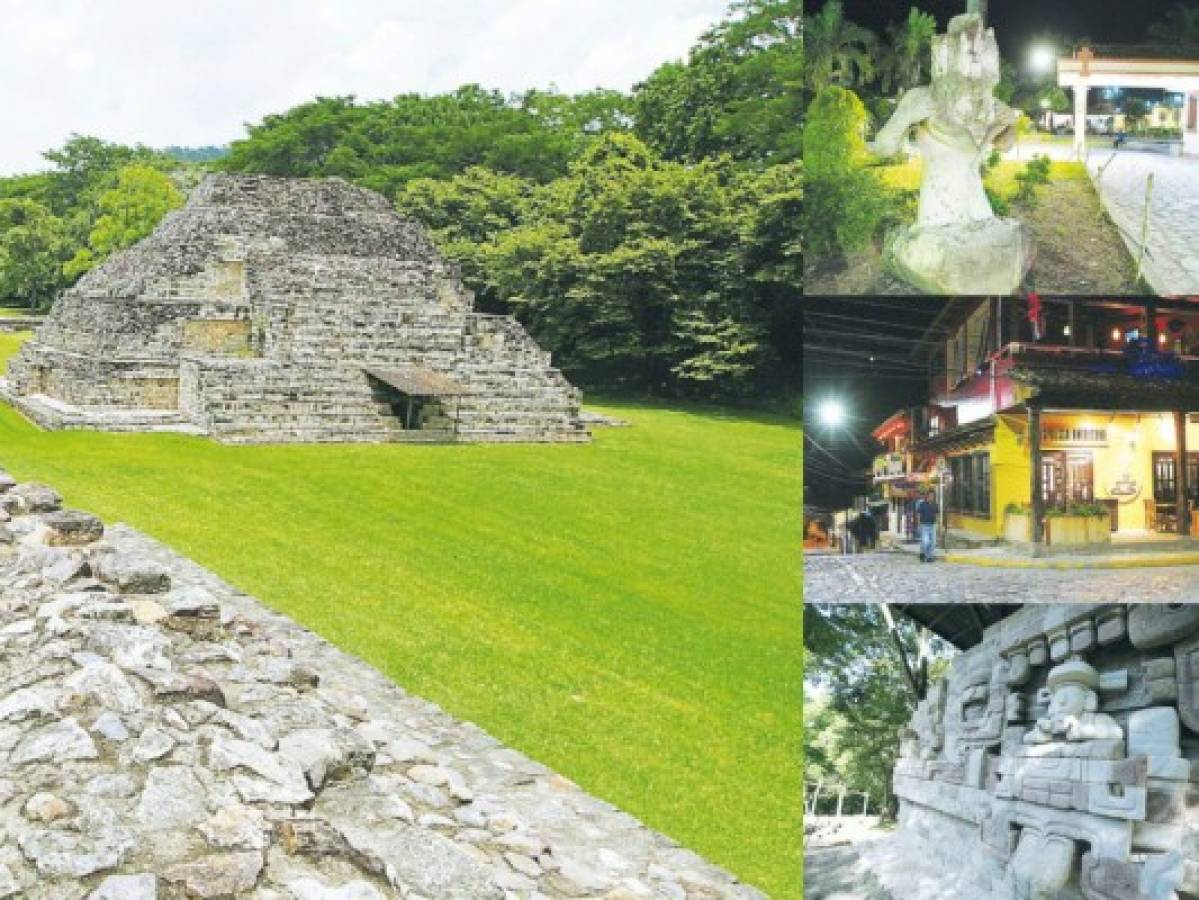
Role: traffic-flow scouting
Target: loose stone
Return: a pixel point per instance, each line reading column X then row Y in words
column 126, row 887
column 72, row 528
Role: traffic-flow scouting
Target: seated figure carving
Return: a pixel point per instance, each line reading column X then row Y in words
column 1073, row 708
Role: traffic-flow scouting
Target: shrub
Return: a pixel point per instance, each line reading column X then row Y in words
column 1018, row 509
column 844, row 213
column 999, row 205
column 1085, row 510
column 1035, row 174
column 834, row 142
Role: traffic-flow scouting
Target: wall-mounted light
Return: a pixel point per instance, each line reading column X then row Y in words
column 1066, row 330
column 1115, row 334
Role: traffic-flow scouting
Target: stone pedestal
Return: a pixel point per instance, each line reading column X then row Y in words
column 990, row 256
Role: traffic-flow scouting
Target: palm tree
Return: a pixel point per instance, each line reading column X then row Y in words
column 908, row 49
column 1178, row 28
column 837, row 50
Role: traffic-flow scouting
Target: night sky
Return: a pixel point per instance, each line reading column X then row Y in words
column 863, row 352
column 1018, row 22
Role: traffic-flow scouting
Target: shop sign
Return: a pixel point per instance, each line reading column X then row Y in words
column 1074, row 437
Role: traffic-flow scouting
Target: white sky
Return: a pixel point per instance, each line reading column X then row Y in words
column 193, row 72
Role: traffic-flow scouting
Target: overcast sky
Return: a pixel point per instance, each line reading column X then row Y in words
column 162, row 72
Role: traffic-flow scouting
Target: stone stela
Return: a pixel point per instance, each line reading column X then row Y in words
column 1057, row 757
column 276, row 310
column 957, row 244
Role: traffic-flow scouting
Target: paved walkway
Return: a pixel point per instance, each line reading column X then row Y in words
column 1172, row 258
column 896, row 577
column 838, row 873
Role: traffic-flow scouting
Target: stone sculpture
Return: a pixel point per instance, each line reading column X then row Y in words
column 271, row 310
column 1060, row 758
column 1074, row 687
column 957, row 245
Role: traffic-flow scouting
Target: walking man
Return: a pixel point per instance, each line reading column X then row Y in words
column 926, row 516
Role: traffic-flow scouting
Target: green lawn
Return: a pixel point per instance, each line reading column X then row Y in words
column 626, row 612
column 1002, row 179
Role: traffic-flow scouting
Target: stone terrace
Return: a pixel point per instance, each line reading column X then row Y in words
column 162, row 735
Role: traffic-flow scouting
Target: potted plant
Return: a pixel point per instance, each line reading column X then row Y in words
column 1017, row 523
column 1078, row 524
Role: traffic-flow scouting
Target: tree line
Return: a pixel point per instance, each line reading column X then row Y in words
column 650, row 239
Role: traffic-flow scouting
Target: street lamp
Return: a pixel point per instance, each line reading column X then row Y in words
column 831, row 413
column 1042, row 58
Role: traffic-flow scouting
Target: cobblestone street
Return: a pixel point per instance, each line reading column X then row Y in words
column 896, row 577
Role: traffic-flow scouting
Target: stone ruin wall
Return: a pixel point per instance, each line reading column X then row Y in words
column 253, row 310
column 164, row 736
column 1109, row 811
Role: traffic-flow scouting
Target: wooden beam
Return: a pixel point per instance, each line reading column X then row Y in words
column 1180, row 471
column 1037, row 500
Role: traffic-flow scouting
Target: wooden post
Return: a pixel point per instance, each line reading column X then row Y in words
column 1072, row 310
column 1037, row 500
column 1145, row 226
column 1080, row 120
column 840, row 800
column 865, row 802
column 1151, row 325
column 1180, row 472
column 816, row 796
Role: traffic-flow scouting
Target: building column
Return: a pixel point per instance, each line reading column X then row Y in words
column 1151, row 326
column 1080, row 120
column 1190, row 124
column 1180, row 471
column 1037, row 500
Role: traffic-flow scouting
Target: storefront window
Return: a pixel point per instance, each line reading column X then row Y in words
column 970, row 491
column 1165, row 479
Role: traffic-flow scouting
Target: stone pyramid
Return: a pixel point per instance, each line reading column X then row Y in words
column 272, row 310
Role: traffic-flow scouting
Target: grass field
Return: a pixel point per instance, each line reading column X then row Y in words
column 625, row 612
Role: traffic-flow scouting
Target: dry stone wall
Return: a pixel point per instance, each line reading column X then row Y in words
column 164, row 736
column 259, row 303
column 1060, row 759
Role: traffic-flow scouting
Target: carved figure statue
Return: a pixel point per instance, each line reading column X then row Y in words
column 1073, row 708
column 957, row 245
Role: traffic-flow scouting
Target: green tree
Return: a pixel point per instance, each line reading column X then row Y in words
column 85, row 166
column 128, row 212
column 1136, row 111
column 907, row 52
column 464, row 213
column 855, row 674
column 837, row 51
column 737, row 93
column 635, row 270
column 384, row 145
column 32, row 247
column 1179, row 27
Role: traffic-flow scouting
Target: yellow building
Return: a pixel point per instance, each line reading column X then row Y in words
column 1068, row 408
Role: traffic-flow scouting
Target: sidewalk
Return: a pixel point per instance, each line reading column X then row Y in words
column 1128, row 556
column 1131, row 558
